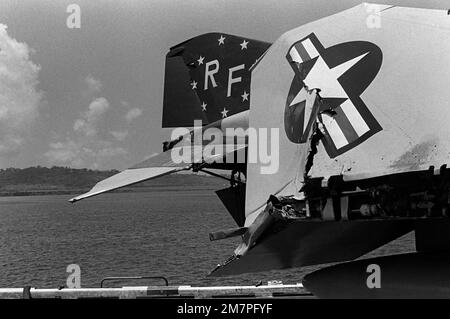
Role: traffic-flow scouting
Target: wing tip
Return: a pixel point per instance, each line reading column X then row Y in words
column 83, row 196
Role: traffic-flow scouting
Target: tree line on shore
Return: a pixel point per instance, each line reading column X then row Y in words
column 58, row 179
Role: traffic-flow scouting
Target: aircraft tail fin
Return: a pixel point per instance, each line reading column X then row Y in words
column 207, row 78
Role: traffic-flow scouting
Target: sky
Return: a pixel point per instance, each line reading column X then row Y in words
column 91, row 97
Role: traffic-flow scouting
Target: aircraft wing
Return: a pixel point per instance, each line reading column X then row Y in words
column 155, row 166
column 151, row 168
column 169, row 161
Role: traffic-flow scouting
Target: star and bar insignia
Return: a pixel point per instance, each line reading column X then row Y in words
column 326, row 88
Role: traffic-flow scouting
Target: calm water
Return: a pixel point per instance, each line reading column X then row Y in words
column 124, row 234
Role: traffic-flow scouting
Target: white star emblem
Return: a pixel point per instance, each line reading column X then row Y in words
column 221, row 40
column 200, row 60
column 224, row 113
column 204, row 106
column 243, row 45
column 245, row 96
column 194, row 85
column 321, row 76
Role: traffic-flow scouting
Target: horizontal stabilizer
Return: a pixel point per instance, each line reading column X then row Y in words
column 156, row 166
column 172, row 160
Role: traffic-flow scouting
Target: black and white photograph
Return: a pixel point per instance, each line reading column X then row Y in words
column 224, row 158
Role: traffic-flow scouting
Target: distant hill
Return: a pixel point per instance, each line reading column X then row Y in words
column 55, row 176
column 64, row 180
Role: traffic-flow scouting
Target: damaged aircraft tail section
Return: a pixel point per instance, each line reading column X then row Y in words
column 363, row 151
column 347, row 130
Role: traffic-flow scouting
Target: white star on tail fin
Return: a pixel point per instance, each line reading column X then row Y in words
column 326, row 79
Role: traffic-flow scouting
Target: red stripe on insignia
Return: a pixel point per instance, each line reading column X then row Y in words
column 345, row 125
column 302, row 51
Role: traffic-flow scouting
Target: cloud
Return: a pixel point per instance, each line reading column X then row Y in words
column 63, row 152
column 108, row 152
column 81, row 153
column 10, row 143
column 93, row 84
column 119, row 135
column 87, row 124
column 19, row 96
column 87, row 147
column 133, row 114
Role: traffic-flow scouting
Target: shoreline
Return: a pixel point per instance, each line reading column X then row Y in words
column 17, row 193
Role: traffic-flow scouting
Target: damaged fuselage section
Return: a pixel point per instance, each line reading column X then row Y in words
column 342, row 219
column 364, row 150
